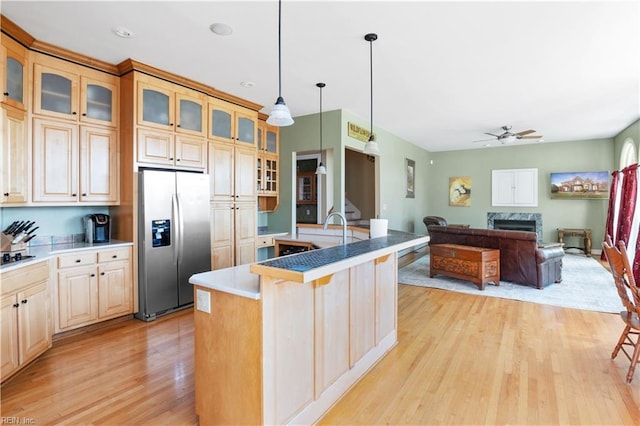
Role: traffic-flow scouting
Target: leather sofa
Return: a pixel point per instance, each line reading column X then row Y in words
column 521, row 260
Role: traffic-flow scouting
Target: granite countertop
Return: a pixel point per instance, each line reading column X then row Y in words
column 45, row 252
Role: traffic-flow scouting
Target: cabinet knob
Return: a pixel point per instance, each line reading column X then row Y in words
column 170, row 124
column 101, row 273
column 115, row 256
column 6, row 194
column 84, row 194
column 6, row 93
column 24, row 301
column 74, row 113
column 178, row 125
column 15, row 305
column 74, row 195
column 84, row 114
column 177, row 159
column 78, row 261
column 93, row 275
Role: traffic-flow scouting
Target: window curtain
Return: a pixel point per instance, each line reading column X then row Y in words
column 627, row 203
column 613, row 194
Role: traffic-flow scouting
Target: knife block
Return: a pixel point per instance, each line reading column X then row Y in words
column 7, row 246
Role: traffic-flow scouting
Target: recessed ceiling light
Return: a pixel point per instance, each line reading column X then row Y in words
column 122, row 32
column 247, row 83
column 221, row 29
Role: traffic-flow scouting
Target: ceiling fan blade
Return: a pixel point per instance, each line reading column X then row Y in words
column 483, row 140
column 530, row 137
column 525, row 132
column 491, row 134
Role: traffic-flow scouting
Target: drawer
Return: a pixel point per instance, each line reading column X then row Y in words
column 265, row 242
column 16, row 280
column 114, row 255
column 77, row 259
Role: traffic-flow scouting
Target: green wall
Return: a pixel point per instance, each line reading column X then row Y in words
column 576, row 156
column 404, row 214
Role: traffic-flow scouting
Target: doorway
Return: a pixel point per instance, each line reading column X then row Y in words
column 360, row 187
column 307, row 188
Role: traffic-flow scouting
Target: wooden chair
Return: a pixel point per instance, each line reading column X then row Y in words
column 630, row 296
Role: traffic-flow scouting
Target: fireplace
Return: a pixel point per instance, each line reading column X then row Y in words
column 516, row 221
column 515, row 225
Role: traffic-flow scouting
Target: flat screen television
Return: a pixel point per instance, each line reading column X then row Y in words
column 580, row 185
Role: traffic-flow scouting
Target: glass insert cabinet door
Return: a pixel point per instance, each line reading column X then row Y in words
column 246, row 130
column 306, row 189
column 99, row 103
column 56, row 94
column 155, row 107
column 221, row 124
column 14, row 81
column 190, row 116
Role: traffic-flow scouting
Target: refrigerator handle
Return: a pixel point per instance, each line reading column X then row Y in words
column 176, row 226
column 180, row 245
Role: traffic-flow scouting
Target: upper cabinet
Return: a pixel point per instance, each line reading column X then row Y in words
column 14, row 177
column 167, row 106
column 268, row 138
column 231, row 123
column 70, row 92
column 14, row 72
column 267, row 172
column 171, row 125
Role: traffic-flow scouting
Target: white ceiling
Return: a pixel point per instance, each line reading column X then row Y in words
column 444, row 72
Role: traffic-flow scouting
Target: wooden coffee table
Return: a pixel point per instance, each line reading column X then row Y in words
column 476, row 264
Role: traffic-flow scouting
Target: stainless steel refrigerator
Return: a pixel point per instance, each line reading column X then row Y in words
column 174, row 239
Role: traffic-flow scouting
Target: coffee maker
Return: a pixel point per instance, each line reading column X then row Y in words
column 97, row 228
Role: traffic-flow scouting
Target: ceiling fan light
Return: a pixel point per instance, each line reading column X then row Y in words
column 280, row 114
column 321, row 170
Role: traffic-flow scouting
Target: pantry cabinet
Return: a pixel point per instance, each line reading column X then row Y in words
column 73, row 169
column 14, row 178
column 93, row 286
column 233, row 234
column 25, row 316
column 232, row 173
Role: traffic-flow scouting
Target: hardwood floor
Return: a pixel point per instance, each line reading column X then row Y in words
column 461, row 359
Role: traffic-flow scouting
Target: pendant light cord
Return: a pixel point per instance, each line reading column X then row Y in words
column 279, row 49
column 320, row 124
column 371, row 71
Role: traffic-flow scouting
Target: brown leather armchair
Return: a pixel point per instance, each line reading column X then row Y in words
column 434, row 220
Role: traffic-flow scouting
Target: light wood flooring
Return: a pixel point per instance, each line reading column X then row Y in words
column 461, row 359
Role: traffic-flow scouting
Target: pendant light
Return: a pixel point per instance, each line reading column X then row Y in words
column 280, row 114
column 371, row 147
column 321, row 170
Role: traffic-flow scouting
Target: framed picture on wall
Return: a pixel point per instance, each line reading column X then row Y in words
column 410, row 167
column 580, row 185
column 460, row 191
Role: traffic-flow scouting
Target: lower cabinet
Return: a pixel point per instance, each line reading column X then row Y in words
column 289, row 356
column 93, row 286
column 25, row 316
column 233, row 234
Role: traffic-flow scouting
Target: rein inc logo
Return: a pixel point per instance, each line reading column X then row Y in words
column 17, row 420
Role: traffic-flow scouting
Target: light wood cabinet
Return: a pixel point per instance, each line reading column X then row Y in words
column 72, row 169
column 172, row 126
column 306, row 192
column 233, row 234
column 232, row 173
column 14, row 178
column 13, row 68
column 267, row 170
column 232, row 124
column 72, row 92
column 93, row 286
column 296, row 350
column 25, row 316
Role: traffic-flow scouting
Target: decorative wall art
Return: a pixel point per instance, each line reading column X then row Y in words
column 460, row 191
column 410, row 167
column 580, row 185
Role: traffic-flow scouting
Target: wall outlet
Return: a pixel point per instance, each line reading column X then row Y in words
column 203, row 301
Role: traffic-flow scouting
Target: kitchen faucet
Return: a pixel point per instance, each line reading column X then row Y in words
column 344, row 225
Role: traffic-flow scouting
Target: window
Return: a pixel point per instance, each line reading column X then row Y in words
column 628, row 155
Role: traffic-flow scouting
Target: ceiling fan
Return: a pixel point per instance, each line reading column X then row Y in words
column 509, row 137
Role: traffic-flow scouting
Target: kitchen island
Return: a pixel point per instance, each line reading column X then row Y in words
column 281, row 341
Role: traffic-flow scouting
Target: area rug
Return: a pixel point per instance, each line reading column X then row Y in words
column 586, row 285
